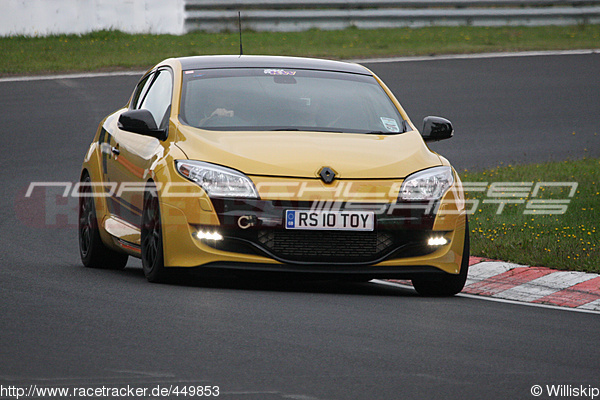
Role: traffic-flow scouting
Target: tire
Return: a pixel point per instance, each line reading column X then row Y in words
column 94, row 253
column 152, row 239
column 448, row 284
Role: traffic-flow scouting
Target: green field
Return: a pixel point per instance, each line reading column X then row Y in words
column 112, row 50
column 569, row 241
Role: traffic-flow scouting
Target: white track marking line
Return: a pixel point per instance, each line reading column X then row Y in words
column 594, row 307
column 538, row 305
column 360, row 61
column 71, row 76
column 476, row 56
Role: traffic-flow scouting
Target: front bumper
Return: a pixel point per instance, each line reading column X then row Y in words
column 254, row 238
column 257, row 227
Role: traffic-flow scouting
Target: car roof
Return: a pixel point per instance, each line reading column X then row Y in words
column 218, row 62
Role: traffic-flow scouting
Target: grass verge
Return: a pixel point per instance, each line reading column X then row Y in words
column 116, row 50
column 521, row 233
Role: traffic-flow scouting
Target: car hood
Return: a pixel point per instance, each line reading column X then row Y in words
column 303, row 154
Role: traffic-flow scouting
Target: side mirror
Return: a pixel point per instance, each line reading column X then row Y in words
column 142, row 122
column 436, row 128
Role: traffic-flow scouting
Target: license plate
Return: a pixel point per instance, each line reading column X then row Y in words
column 330, row 220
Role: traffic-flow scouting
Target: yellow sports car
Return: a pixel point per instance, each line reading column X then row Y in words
column 272, row 164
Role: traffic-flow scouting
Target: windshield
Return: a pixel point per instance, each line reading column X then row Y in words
column 278, row 99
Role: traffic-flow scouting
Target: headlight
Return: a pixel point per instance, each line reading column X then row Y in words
column 217, row 181
column 430, row 184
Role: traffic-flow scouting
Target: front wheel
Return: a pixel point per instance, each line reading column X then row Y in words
column 94, row 253
column 446, row 285
column 151, row 237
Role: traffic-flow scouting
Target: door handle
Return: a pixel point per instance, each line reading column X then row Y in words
column 115, row 151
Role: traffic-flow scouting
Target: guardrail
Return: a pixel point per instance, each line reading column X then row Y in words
column 295, row 15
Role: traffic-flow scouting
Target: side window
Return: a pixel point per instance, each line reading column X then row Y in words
column 140, row 91
column 157, row 100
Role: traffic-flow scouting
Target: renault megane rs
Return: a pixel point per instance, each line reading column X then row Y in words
column 272, row 164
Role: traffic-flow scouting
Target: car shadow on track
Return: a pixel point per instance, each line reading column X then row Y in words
column 275, row 282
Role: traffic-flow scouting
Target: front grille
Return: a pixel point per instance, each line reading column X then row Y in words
column 326, row 246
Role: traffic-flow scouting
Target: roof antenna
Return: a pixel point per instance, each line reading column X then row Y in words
column 240, row 29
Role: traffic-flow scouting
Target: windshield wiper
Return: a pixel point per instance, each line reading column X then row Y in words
column 326, row 130
column 309, row 129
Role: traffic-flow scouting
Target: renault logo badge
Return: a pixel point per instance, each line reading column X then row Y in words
column 327, row 174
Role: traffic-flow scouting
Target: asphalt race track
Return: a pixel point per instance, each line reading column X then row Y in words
column 63, row 325
column 505, row 110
